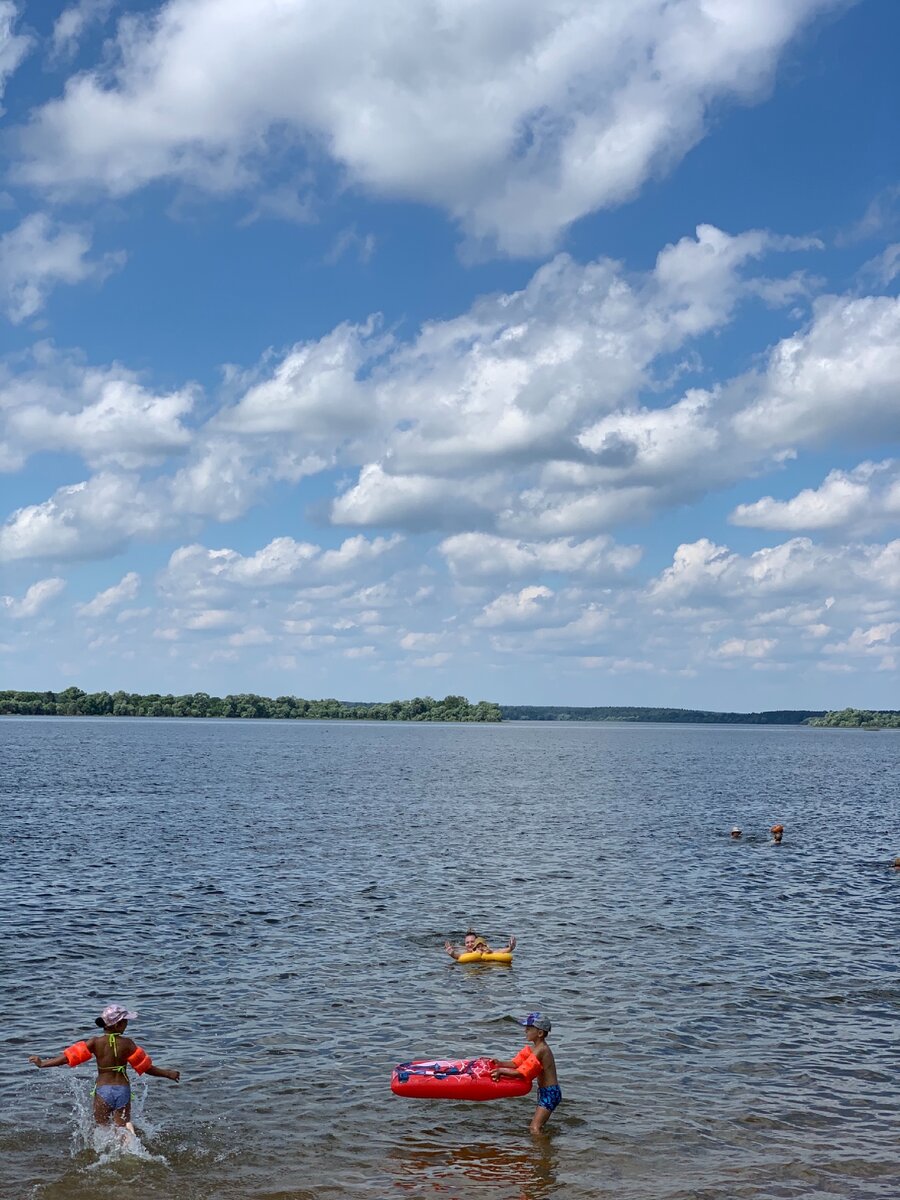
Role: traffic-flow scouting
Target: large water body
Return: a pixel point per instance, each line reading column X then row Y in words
column 272, row 898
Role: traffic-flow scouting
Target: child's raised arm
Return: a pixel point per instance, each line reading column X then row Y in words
column 70, row 1057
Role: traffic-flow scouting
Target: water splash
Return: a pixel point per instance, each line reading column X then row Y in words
column 109, row 1143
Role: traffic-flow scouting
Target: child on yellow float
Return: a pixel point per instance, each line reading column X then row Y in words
column 114, row 1054
column 537, row 1026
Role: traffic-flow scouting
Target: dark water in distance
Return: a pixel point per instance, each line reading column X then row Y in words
column 272, row 896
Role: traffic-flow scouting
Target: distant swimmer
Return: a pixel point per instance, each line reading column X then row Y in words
column 896, row 864
column 777, row 832
column 473, row 942
column 114, row 1054
column 736, row 831
column 537, row 1026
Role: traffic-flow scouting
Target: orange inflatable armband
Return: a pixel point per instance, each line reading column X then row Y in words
column 527, row 1063
column 77, row 1054
column 140, row 1060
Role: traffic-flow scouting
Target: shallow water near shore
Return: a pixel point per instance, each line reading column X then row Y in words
column 272, row 898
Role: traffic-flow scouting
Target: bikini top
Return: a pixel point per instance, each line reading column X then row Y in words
column 111, row 1038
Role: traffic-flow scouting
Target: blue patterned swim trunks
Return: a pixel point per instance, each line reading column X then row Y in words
column 549, row 1097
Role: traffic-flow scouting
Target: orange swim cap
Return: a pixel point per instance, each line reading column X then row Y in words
column 777, row 829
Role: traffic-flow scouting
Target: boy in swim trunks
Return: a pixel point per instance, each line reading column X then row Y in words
column 537, row 1026
column 113, row 1052
column 474, row 941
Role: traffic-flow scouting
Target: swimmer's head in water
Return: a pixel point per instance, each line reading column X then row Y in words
column 777, row 832
column 896, row 864
column 736, row 831
column 113, row 1014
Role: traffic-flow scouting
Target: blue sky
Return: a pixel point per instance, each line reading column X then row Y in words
column 542, row 352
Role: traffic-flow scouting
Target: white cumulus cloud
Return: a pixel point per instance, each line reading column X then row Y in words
column 485, row 556
column 703, row 572
column 839, row 378
column 524, row 607
column 91, row 519
column 73, row 23
column 517, row 117
column 13, row 46
column 409, row 501
column 195, row 571
column 874, row 640
column 37, row 596
column 433, row 660
column 862, row 498
column 313, row 389
column 39, row 254
column 50, row 400
column 746, row 647
column 107, row 417
column 222, row 481
column 120, row 593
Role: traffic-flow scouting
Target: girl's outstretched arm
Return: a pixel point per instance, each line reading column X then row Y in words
column 59, row 1061
column 163, row 1073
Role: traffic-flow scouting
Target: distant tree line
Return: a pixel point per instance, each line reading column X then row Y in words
column 73, row 702
column 859, row 718
column 531, row 712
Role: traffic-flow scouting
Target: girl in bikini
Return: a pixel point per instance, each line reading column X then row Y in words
column 114, row 1054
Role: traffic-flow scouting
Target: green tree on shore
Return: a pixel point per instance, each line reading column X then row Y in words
column 73, row 702
column 858, row 718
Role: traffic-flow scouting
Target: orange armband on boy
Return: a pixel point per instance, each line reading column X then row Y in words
column 140, row 1060
column 527, row 1063
column 77, row 1054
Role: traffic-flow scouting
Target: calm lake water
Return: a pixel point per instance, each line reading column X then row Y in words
column 272, row 898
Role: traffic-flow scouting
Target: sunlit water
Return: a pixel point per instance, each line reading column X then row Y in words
column 272, row 898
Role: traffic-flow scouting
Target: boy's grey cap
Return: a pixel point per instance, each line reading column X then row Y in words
column 537, row 1021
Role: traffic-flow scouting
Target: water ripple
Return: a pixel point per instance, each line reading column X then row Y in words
column 272, row 898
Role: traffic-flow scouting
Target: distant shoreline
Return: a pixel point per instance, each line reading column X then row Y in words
column 848, row 718
column 656, row 716
column 73, row 702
